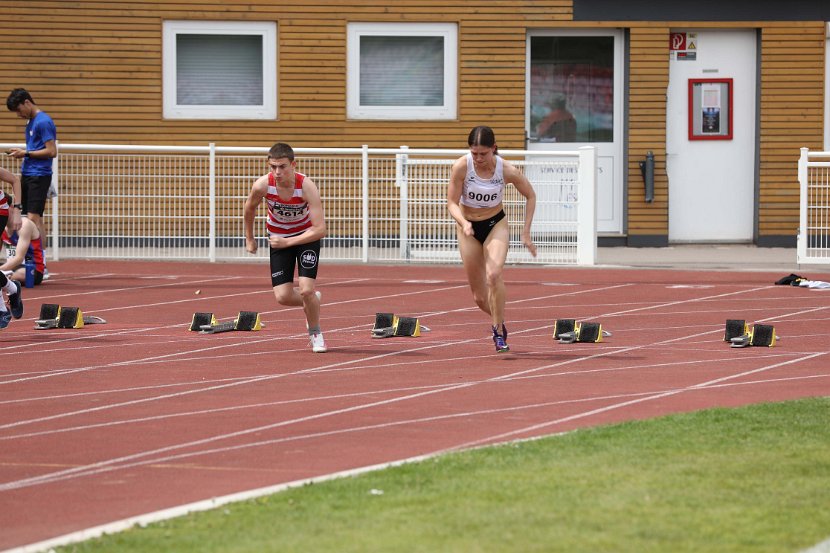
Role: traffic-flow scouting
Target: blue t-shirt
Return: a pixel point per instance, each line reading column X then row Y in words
column 39, row 130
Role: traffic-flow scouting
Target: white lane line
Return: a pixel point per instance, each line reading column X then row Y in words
column 132, row 462
column 535, row 427
column 98, row 465
column 194, row 443
column 216, row 410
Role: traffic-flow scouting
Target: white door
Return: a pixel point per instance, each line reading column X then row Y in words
column 574, row 98
column 711, row 177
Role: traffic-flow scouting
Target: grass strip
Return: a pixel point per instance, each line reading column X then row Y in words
column 755, row 478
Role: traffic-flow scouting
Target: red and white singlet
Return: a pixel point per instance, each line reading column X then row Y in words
column 4, row 204
column 287, row 218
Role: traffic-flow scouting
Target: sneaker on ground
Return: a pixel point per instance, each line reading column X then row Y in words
column 16, row 302
column 498, row 339
column 45, row 274
column 5, row 318
column 318, row 345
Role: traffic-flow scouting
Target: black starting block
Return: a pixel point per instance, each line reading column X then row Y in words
column 201, row 319
column 735, row 328
column 741, row 335
column 53, row 315
column 245, row 320
column 389, row 324
column 568, row 331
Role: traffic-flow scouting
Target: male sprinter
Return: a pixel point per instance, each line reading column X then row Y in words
column 296, row 225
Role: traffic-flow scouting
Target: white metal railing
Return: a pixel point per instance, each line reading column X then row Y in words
column 381, row 205
column 813, row 244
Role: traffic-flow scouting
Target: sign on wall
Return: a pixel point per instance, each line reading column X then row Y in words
column 710, row 109
column 683, row 46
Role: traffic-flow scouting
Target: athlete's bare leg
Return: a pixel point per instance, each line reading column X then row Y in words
column 472, row 255
column 310, row 301
column 495, row 255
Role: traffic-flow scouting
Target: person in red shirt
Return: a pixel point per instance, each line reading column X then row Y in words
column 10, row 206
column 22, row 246
column 296, row 225
column 10, row 218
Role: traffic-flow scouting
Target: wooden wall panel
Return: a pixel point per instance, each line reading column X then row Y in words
column 792, row 117
column 648, row 80
column 98, row 70
column 95, row 66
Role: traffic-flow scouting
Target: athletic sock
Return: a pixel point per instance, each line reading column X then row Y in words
column 312, row 330
column 10, row 288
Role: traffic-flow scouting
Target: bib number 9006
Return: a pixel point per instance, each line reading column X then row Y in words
column 482, row 197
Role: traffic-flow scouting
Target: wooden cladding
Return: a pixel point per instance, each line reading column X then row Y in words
column 96, row 67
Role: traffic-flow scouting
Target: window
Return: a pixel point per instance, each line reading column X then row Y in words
column 219, row 70
column 572, row 88
column 402, row 70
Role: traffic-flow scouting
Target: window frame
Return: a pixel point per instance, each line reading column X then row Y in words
column 172, row 110
column 447, row 31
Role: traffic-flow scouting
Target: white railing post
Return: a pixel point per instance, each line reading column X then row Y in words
column 402, row 182
column 365, row 180
column 212, row 205
column 586, row 233
column 803, row 235
column 56, row 253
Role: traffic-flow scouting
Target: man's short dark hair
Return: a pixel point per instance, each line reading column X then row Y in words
column 281, row 150
column 17, row 97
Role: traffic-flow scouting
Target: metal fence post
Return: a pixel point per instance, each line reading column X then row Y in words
column 212, row 205
column 803, row 234
column 365, row 179
column 402, row 182
column 56, row 253
column 586, row 234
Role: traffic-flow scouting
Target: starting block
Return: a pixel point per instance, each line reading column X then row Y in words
column 568, row 331
column 201, row 319
column 741, row 335
column 54, row 316
column 389, row 324
column 207, row 324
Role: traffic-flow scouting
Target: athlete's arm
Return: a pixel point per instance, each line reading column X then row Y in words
column 24, row 238
column 14, row 222
column 49, row 150
column 520, row 182
column 454, row 190
column 258, row 191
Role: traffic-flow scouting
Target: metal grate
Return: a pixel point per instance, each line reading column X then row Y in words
column 381, row 205
column 814, row 228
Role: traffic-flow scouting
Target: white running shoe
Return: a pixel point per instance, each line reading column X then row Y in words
column 318, row 345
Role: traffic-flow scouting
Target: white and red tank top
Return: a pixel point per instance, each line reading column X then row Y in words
column 4, row 204
column 479, row 192
column 287, row 218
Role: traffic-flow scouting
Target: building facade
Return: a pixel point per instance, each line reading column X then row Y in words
column 716, row 97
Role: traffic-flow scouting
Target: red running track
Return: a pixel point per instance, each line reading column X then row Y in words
column 112, row 421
